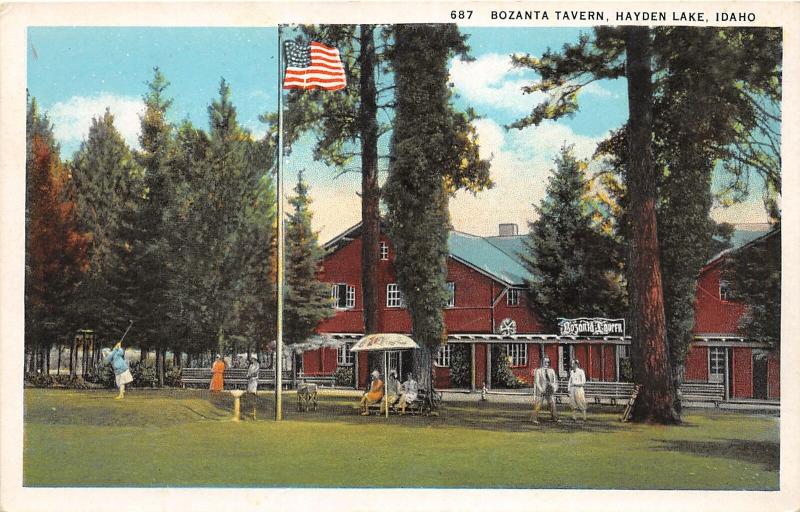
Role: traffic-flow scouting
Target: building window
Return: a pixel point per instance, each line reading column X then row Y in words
column 517, row 353
column 394, row 297
column 343, row 296
column 384, row 252
column 443, row 356
column 343, row 355
column 512, row 297
column 724, row 291
column 451, row 294
column 624, row 351
column 716, row 364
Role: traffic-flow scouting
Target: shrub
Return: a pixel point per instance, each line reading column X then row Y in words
column 102, row 375
column 39, row 380
column 460, row 366
column 502, row 375
column 172, row 377
column 344, row 376
column 144, row 375
column 625, row 370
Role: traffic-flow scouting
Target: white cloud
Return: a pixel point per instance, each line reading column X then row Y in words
column 492, row 81
column 521, row 164
column 72, row 118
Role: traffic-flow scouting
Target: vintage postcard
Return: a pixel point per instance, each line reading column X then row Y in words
column 404, row 256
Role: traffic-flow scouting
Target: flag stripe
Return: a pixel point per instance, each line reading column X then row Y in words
column 313, row 66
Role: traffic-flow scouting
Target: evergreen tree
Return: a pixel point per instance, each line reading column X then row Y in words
column 55, row 251
column 153, row 326
column 109, row 189
column 430, row 154
column 574, row 266
column 754, row 277
column 307, row 299
column 716, row 77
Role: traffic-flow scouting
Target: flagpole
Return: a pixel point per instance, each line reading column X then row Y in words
column 279, row 175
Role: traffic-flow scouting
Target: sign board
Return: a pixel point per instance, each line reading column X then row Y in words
column 591, row 326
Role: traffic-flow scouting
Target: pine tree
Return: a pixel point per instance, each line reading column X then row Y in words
column 55, row 251
column 307, row 299
column 721, row 79
column 754, row 277
column 574, row 266
column 153, row 328
column 431, row 157
column 109, row 190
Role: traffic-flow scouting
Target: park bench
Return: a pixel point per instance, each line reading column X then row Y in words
column 232, row 378
column 420, row 406
column 320, row 380
column 703, row 392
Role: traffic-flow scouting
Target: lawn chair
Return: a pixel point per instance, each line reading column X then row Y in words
column 306, row 396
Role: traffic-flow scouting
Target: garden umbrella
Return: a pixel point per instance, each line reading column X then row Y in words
column 384, row 342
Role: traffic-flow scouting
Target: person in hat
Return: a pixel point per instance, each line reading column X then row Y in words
column 577, row 398
column 410, row 392
column 545, row 385
column 393, row 390
column 122, row 373
column 252, row 374
column 374, row 395
column 217, row 370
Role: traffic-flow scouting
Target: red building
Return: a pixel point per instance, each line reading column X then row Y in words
column 488, row 314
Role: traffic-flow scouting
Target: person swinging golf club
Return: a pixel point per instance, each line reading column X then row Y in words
column 122, row 373
column 545, row 386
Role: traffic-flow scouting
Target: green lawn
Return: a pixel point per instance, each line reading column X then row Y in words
column 185, row 438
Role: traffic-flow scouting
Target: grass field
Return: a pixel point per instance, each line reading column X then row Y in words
column 185, row 438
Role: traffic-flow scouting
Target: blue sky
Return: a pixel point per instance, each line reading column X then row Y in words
column 76, row 72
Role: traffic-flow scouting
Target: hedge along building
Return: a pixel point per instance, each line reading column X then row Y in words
column 488, row 316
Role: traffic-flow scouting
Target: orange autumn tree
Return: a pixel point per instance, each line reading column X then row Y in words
column 55, row 251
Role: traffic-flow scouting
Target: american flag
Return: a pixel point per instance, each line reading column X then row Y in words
column 313, row 66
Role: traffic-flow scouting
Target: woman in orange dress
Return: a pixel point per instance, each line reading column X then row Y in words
column 374, row 395
column 216, row 371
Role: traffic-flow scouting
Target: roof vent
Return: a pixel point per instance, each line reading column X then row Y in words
column 509, row 230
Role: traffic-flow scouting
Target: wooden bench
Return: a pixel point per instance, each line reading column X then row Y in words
column 703, row 392
column 419, row 406
column 232, row 378
column 320, row 380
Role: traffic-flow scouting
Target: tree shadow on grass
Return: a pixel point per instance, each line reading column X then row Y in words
column 766, row 453
column 475, row 415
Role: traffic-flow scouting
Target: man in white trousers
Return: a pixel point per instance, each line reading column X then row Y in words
column 577, row 398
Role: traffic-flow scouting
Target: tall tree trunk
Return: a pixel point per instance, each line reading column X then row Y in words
column 73, row 357
column 370, row 192
column 423, row 367
column 650, row 354
column 47, row 361
column 58, row 364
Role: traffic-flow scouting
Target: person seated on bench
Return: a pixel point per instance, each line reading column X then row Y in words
column 374, row 395
column 393, row 390
column 410, row 392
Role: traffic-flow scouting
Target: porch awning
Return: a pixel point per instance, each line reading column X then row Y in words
column 384, row 341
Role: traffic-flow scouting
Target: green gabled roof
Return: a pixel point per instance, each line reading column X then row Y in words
column 497, row 257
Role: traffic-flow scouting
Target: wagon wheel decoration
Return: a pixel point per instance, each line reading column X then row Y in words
column 508, row 327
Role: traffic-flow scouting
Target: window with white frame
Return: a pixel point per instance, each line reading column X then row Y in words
column 394, row 297
column 343, row 355
column 384, row 251
column 343, row 296
column 517, row 353
column 451, row 294
column 716, row 364
column 512, row 297
column 724, row 290
column 443, row 356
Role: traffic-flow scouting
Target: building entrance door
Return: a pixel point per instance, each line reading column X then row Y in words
column 760, row 387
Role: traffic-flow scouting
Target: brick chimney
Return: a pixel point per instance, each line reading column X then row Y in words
column 509, row 230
